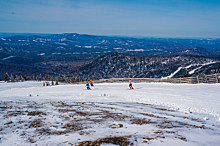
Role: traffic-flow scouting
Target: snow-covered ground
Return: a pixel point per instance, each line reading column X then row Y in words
column 152, row 113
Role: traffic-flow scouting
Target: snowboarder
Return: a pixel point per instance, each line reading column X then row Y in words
column 130, row 84
column 87, row 85
column 91, row 83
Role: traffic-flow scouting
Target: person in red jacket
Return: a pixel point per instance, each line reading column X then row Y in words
column 91, row 83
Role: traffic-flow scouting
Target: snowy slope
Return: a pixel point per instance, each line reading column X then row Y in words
column 189, row 66
column 152, row 113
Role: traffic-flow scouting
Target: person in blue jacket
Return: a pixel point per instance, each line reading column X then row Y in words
column 87, row 85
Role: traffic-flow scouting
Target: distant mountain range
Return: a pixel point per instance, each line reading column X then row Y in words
column 79, row 55
column 73, row 43
column 5, row 34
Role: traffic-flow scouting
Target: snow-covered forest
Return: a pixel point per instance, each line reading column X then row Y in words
column 117, row 65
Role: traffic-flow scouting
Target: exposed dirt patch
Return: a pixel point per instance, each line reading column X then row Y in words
column 122, row 141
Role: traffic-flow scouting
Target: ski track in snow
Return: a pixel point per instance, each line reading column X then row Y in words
column 202, row 65
column 8, row 57
column 190, row 72
column 152, row 113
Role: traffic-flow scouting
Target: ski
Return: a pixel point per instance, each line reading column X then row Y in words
column 129, row 88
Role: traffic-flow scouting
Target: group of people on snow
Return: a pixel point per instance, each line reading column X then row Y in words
column 91, row 83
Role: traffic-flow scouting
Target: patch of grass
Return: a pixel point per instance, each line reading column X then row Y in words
column 36, row 123
column 141, row 121
column 33, row 113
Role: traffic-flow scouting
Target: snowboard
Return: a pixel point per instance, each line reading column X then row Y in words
column 129, row 88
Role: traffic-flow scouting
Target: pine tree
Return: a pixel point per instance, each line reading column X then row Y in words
column 63, row 79
column 186, row 74
column 15, row 77
column 12, row 78
column 88, row 78
column 73, row 80
column 56, row 82
column 28, row 78
column 47, row 77
column 6, row 77
column 40, row 78
column 24, row 78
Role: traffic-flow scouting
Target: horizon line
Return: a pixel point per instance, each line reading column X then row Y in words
column 126, row 36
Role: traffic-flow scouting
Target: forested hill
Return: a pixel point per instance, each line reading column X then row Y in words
column 118, row 65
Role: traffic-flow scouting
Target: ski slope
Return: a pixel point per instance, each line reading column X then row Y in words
column 8, row 57
column 189, row 66
column 152, row 113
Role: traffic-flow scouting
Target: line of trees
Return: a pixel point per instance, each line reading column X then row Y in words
column 39, row 78
column 15, row 78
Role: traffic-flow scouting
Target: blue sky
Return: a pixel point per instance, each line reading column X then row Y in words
column 150, row 18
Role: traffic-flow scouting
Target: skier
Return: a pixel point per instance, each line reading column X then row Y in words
column 91, row 83
column 87, row 85
column 130, row 84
